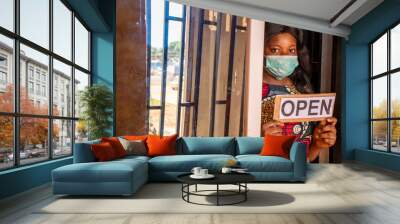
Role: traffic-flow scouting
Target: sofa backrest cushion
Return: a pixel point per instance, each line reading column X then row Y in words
column 249, row 145
column 206, row 145
column 83, row 152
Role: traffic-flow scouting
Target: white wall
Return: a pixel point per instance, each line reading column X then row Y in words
column 254, row 74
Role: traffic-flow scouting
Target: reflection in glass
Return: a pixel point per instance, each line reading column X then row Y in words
column 81, row 45
column 379, row 56
column 62, row 138
column 157, row 32
column 62, row 89
column 34, row 78
column 154, row 122
column 395, row 136
column 35, row 21
column 379, row 97
column 395, row 47
column 6, row 142
column 6, row 74
column 7, row 14
column 33, row 140
column 81, row 82
column 379, row 135
column 62, row 29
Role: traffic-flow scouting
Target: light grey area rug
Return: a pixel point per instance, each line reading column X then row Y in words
column 166, row 198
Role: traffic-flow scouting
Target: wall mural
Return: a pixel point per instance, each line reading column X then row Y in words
column 197, row 75
column 288, row 70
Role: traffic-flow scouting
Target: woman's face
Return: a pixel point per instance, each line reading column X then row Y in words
column 281, row 44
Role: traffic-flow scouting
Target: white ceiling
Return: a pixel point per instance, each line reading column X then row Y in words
column 320, row 9
column 315, row 15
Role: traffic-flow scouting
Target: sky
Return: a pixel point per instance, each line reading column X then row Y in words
column 35, row 27
column 157, row 23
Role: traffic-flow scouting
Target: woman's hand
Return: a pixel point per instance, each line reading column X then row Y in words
column 273, row 128
column 324, row 135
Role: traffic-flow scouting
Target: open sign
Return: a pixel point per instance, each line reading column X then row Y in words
column 304, row 107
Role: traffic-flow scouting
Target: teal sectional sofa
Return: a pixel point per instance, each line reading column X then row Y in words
column 125, row 176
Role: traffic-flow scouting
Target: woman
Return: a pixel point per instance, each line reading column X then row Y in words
column 286, row 71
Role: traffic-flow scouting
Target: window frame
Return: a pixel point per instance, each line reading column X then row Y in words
column 388, row 74
column 161, row 108
column 16, row 115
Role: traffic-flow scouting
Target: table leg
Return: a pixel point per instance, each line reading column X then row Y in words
column 217, row 194
column 245, row 193
column 188, row 190
column 196, row 187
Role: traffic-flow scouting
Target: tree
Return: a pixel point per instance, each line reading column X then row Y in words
column 380, row 127
column 33, row 130
column 97, row 102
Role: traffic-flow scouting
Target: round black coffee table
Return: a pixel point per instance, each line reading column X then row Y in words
column 238, row 179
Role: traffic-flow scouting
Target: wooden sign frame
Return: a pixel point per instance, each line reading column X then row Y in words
column 278, row 100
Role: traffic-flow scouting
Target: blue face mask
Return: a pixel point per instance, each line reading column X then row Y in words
column 280, row 66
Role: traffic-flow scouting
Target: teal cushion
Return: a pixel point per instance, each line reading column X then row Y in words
column 185, row 163
column 111, row 171
column 249, row 145
column 257, row 163
column 207, row 145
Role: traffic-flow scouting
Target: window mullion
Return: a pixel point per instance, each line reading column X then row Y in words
column 73, row 81
column 50, row 81
column 389, row 101
column 16, row 84
column 165, row 64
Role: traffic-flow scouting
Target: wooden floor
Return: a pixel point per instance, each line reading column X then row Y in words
column 377, row 188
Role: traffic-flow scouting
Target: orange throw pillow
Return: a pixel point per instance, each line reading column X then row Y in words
column 103, row 152
column 161, row 145
column 277, row 145
column 116, row 145
column 135, row 137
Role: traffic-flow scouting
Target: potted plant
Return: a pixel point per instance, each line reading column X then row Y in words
column 96, row 102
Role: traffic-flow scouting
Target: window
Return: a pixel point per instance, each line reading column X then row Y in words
column 38, row 74
column 37, row 89
column 30, row 87
column 44, row 91
column 81, row 82
column 40, row 129
column 62, row 74
column 164, row 103
column 34, row 21
column 7, row 14
column 30, row 72
column 385, row 97
column 62, row 29
column 3, row 61
column 81, row 45
column 195, row 70
column 3, row 78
